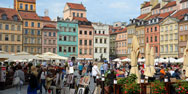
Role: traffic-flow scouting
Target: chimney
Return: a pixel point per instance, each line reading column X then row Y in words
column 163, row 3
column 15, row 6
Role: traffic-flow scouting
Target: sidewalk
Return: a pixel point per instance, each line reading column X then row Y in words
column 13, row 90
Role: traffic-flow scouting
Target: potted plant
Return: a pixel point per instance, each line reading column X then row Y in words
column 158, row 87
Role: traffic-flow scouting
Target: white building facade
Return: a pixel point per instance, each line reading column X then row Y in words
column 101, row 41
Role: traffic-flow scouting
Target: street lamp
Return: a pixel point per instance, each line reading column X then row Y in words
column 103, row 79
column 115, row 83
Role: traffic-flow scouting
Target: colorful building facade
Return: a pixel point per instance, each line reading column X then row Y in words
column 10, row 31
column 67, row 38
column 101, row 41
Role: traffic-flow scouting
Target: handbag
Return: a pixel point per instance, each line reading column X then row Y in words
column 16, row 80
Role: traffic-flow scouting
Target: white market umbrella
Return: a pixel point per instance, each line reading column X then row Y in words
column 141, row 60
column 134, row 58
column 152, row 67
column 117, row 60
column 126, row 60
column 147, row 71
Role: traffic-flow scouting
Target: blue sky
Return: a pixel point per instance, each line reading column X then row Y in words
column 105, row 11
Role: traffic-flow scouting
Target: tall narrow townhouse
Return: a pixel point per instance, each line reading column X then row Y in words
column 32, row 25
column 49, row 35
column 113, row 35
column 10, row 31
column 121, row 43
column 182, row 16
column 101, row 41
column 67, row 38
column 140, row 33
column 73, row 11
column 131, row 30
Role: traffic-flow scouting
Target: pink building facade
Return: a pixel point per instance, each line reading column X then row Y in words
column 49, row 38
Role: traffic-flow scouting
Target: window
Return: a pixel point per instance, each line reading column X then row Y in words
column 12, row 27
column 74, row 49
column 31, row 7
column 90, row 33
column 166, row 37
column 6, row 48
column 6, row 27
column 171, row 48
column 95, row 32
column 38, row 32
column 155, row 28
column 85, row 42
column 12, row 48
column 65, row 29
column 77, row 14
column 18, row 48
column 147, row 40
column 60, row 49
column 80, row 51
column 80, row 42
column 100, row 50
column 99, row 32
column 74, row 38
column 12, row 37
column 80, row 31
column 70, row 38
column 171, row 36
column 0, row 48
column 18, row 38
column 90, row 51
column 176, row 48
column 70, row 29
column 4, row 17
column 176, row 27
column 26, row 6
column 166, row 48
column 32, row 32
column 166, row 28
column 65, row 38
column 171, row 27
column 151, row 29
column 38, row 25
column 54, row 34
column 1, row 27
column 176, row 36
column 147, row 30
column 60, row 38
column 96, row 50
column 50, row 33
column 19, row 28
column 155, row 38
column 104, row 50
column 105, row 41
column 26, row 24
column 74, row 29
column 21, row 6
column 25, row 40
column 49, row 42
column 96, row 40
column 185, row 27
column 85, row 32
column 32, row 24
column 85, row 51
column 90, row 42
column 6, row 38
column 100, row 40
column 162, row 49
column 32, row 50
column 151, row 39
column 69, row 49
column 181, row 28
column 73, row 14
column 81, row 14
column 45, row 41
column 65, row 49
column 181, row 50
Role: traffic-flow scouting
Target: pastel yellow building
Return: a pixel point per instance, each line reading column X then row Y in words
column 169, row 37
column 25, row 5
column 10, row 31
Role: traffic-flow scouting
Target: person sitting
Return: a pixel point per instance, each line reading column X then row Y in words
column 176, row 74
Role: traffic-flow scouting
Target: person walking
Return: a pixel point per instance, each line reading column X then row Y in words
column 43, row 79
column 80, row 67
column 95, row 72
column 105, row 67
column 20, row 75
column 102, row 69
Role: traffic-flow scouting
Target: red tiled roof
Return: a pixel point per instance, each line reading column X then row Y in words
column 87, row 26
column 76, row 6
column 142, row 16
column 157, row 6
column 121, row 30
column 147, row 4
column 9, row 12
column 170, row 4
column 49, row 26
column 46, row 18
column 183, row 1
column 29, row 15
column 180, row 14
column 29, row 1
column 152, row 16
column 162, row 15
column 80, row 19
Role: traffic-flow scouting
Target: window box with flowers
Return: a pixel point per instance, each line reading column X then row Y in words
column 158, row 87
column 181, row 87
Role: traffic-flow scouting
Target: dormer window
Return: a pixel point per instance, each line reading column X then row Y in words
column 138, row 23
column 149, row 21
column 142, row 22
column 186, row 18
column 157, row 20
column 153, row 20
column 15, row 18
column 4, row 17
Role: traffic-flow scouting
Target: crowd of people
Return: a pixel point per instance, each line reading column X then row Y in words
column 52, row 78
